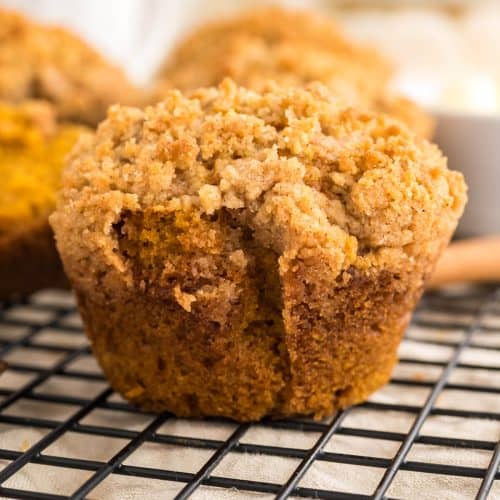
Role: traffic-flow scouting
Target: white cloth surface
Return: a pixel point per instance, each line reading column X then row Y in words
column 247, row 466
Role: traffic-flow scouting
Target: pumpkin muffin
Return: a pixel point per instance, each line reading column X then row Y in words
column 50, row 63
column 293, row 49
column 32, row 151
column 243, row 254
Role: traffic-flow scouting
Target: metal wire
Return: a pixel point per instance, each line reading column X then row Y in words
column 400, row 456
column 476, row 303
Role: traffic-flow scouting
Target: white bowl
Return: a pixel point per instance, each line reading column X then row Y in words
column 472, row 144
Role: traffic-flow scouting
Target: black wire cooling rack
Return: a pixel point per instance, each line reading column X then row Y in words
column 459, row 325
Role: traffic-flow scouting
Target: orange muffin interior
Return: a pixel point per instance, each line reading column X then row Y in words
column 50, row 63
column 32, row 152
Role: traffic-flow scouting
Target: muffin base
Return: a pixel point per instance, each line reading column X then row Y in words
column 163, row 358
column 29, row 261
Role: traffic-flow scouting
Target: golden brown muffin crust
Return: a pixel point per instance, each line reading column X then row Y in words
column 33, row 147
column 50, row 63
column 262, row 250
column 408, row 112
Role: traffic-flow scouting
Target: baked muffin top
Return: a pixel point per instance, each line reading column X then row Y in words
column 290, row 47
column 309, row 177
column 50, row 63
column 32, row 151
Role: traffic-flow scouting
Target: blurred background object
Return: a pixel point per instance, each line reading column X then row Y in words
column 446, row 51
column 132, row 33
column 474, row 260
column 470, row 141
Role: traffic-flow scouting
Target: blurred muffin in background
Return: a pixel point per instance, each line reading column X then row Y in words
column 33, row 147
column 50, row 63
column 292, row 48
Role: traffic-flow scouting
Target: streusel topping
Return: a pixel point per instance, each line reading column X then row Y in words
column 308, row 176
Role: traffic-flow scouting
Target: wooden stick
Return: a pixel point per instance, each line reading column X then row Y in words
column 472, row 260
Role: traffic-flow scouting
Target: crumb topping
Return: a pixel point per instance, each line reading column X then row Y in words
column 309, row 178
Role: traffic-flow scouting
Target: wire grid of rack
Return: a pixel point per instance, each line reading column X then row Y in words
column 48, row 323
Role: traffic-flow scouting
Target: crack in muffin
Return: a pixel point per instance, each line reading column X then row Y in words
column 292, row 48
column 243, row 253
